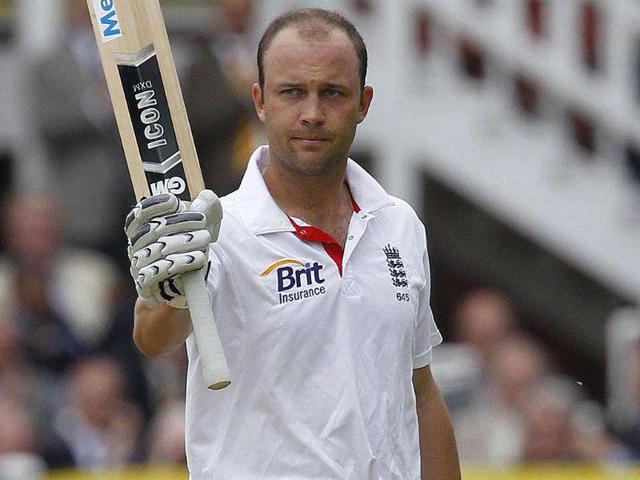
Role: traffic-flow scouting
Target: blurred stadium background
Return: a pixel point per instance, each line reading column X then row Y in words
column 513, row 128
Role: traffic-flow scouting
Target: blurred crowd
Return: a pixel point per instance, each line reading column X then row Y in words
column 511, row 401
column 74, row 391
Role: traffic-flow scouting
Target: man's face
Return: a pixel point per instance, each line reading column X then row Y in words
column 312, row 101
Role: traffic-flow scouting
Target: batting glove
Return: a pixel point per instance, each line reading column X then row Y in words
column 169, row 237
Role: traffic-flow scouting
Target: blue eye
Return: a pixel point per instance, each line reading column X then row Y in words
column 291, row 92
column 332, row 93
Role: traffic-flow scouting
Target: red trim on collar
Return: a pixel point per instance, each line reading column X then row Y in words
column 354, row 204
column 314, row 234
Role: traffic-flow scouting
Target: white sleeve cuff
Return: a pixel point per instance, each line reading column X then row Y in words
column 423, row 359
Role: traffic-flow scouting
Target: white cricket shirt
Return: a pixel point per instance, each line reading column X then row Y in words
column 321, row 349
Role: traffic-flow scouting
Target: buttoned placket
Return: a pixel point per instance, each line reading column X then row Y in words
column 357, row 228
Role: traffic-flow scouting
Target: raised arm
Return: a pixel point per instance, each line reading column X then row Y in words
column 167, row 238
column 160, row 329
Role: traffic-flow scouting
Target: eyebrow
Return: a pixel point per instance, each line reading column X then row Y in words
column 289, row 85
column 324, row 85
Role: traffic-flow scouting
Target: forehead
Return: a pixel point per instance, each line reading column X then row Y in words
column 291, row 54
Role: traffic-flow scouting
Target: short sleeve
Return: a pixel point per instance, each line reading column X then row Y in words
column 427, row 334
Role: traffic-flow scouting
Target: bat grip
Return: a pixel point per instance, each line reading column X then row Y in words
column 214, row 366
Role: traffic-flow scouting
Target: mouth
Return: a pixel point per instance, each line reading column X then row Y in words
column 310, row 142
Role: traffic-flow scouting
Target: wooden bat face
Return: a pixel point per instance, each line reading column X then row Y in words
column 146, row 96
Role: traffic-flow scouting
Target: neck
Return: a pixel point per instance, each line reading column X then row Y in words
column 310, row 197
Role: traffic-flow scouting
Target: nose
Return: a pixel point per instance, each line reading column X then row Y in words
column 312, row 114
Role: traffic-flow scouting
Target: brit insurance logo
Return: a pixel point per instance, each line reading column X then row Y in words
column 296, row 280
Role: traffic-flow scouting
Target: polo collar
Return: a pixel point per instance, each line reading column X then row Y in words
column 261, row 213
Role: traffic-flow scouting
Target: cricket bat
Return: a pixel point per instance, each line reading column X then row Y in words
column 156, row 136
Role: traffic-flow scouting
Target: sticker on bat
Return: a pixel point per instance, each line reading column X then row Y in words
column 173, row 185
column 151, row 120
column 107, row 19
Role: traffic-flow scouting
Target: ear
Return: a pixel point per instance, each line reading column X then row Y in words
column 258, row 100
column 365, row 102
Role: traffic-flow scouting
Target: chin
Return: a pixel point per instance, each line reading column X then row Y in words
column 314, row 163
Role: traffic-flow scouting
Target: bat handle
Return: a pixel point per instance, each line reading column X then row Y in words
column 214, row 366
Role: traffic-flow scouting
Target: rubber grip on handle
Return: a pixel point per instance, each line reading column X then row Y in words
column 214, row 366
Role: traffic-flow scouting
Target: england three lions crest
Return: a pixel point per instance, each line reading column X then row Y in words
column 396, row 267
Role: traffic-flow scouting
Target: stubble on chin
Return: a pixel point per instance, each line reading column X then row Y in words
column 294, row 162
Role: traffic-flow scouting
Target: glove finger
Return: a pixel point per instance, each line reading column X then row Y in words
column 177, row 223
column 149, row 276
column 187, row 222
column 186, row 262
column 146, row 256
column 209, row 204
column 185, row 242
column 145, row 210
column 169, row 245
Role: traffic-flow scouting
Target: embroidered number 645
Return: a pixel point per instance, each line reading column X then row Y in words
column 402, row 297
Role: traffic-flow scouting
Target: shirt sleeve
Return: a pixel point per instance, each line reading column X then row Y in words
column 427, row 334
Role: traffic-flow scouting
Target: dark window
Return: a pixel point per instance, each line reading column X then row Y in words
column 472, row 59
column 536, row 10
column 632, row 156
column 364, row 7
column 583, row 131
column 636, row 68
column 422, row 32
column 7, row 164
column 591, row 32
column 526, row 95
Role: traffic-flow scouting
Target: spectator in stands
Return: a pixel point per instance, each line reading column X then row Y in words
column 100, row 425
column 560, row 425
column 631, row 434
column 224, row 123
column 490, row 430
column 48, row 340
column 17, row 375
column 71, row 111
column 482, row 318
column 166, row 436
column 19, row 378
column 51, row 285
column 24, row 385
column 19, row 455
column 17, row 432
column 549, row 434
column 593, row 441
column 167, row 375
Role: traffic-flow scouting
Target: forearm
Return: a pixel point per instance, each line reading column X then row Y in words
column 160, row 329
column 438, row 451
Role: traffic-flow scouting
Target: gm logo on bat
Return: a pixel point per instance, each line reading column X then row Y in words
column 296, row 280
column 107, row 19
column 175, row 185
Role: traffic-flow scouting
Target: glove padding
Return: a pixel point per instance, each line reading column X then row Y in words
column 169, row 237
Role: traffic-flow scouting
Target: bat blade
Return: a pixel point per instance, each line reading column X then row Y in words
column 156, row 136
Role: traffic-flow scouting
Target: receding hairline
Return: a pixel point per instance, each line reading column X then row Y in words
column 313, row 24
column 313, row 31
column 321, row 32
